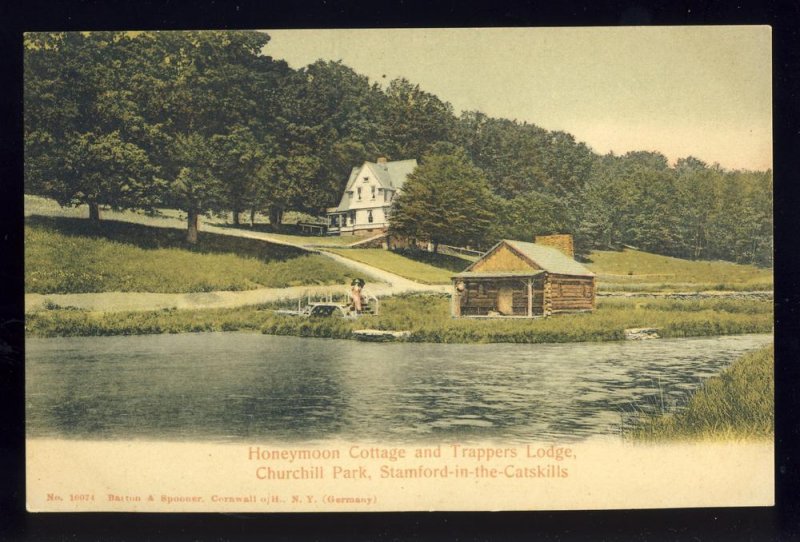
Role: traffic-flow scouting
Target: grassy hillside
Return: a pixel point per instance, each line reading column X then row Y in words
column 420, row 266
column 428, row 319
column 739, row 403
column 627, row 270
column 636, row 268
column 68, row 255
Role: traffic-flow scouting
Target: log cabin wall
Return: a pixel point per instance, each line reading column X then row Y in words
column 570, row 293
column 481, row 296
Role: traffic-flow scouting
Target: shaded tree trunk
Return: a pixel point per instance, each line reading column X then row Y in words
column 236, row 217
column 191, row 232
column 252, row 218
column 94, row 212
column 275, row 217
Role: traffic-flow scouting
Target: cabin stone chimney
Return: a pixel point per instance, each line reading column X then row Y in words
column 562, row 242
column 381, row 160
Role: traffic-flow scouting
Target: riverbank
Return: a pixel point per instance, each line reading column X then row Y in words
column 427, row 318
column 737, row 404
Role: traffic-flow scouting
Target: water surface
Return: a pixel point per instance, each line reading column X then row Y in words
column 251, row 387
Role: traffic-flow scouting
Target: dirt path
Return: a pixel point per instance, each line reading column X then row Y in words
column 379, row 282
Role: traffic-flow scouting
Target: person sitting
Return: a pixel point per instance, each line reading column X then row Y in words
column 356, row 296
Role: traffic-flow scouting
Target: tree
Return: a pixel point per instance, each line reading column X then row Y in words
column 237, row 159
column 202, row 109
column 282, row 183
column 83, row 129
column 195, row 188
column 445, row 200
column 413, row 120
column 529, row 215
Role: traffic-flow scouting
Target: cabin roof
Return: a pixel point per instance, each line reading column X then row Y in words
column 549, row 259
column 498, row 274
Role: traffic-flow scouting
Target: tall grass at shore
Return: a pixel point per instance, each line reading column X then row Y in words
column 67, row 255
column 428, row 319
column 737, row 404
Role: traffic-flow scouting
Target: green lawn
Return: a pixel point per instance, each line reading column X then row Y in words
column 427, row 268
column 635, row 268
column 69, row 255
column 739, row 403
column 428, row 319
column 629, row 270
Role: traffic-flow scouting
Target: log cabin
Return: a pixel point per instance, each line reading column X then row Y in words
column 517, row 279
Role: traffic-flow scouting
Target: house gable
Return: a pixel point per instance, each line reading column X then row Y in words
column 378, row 184
column 503, row 258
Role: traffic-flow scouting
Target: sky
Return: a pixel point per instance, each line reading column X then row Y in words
column 699, row 91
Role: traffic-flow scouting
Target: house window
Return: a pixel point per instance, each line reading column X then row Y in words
column 366, row 179
column 385, row 196
column 369, row 217
column 352, row 218
column 359, row 192
column 373, row 191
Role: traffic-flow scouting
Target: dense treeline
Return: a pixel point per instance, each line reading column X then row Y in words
column 205, row 122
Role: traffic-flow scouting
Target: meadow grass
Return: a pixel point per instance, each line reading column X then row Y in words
column 737, row 404
column 432, row 271
column 68, row 255
column 628, row 269
column 428, row 319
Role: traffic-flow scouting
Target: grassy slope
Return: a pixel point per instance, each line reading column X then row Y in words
column 627, row 270
column 739, row 403
column 67, row 255
column 296, row 238
column 428, row 318
column 633, row 267
column 433, row 269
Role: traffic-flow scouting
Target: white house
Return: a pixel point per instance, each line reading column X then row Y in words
column 367, row 199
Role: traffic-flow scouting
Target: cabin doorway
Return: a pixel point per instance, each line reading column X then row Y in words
column 505, row 300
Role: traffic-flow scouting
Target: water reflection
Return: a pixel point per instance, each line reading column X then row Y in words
column 230, row 386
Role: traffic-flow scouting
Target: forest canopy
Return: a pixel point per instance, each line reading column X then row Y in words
column 206, row 122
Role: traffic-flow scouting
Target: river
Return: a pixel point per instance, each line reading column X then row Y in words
column 237, row 387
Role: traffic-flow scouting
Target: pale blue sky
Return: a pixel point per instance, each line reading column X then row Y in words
column 704, row 91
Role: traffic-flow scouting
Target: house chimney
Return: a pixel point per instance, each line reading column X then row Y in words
column 382, row 160
column 562, row 242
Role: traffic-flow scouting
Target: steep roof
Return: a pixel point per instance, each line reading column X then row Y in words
column 393, row 174
column 550, row 259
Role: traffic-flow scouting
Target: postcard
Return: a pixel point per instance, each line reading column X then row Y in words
column 399, row 269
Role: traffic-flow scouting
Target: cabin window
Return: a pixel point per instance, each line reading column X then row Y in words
column 359, row 192
column 369, row 217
